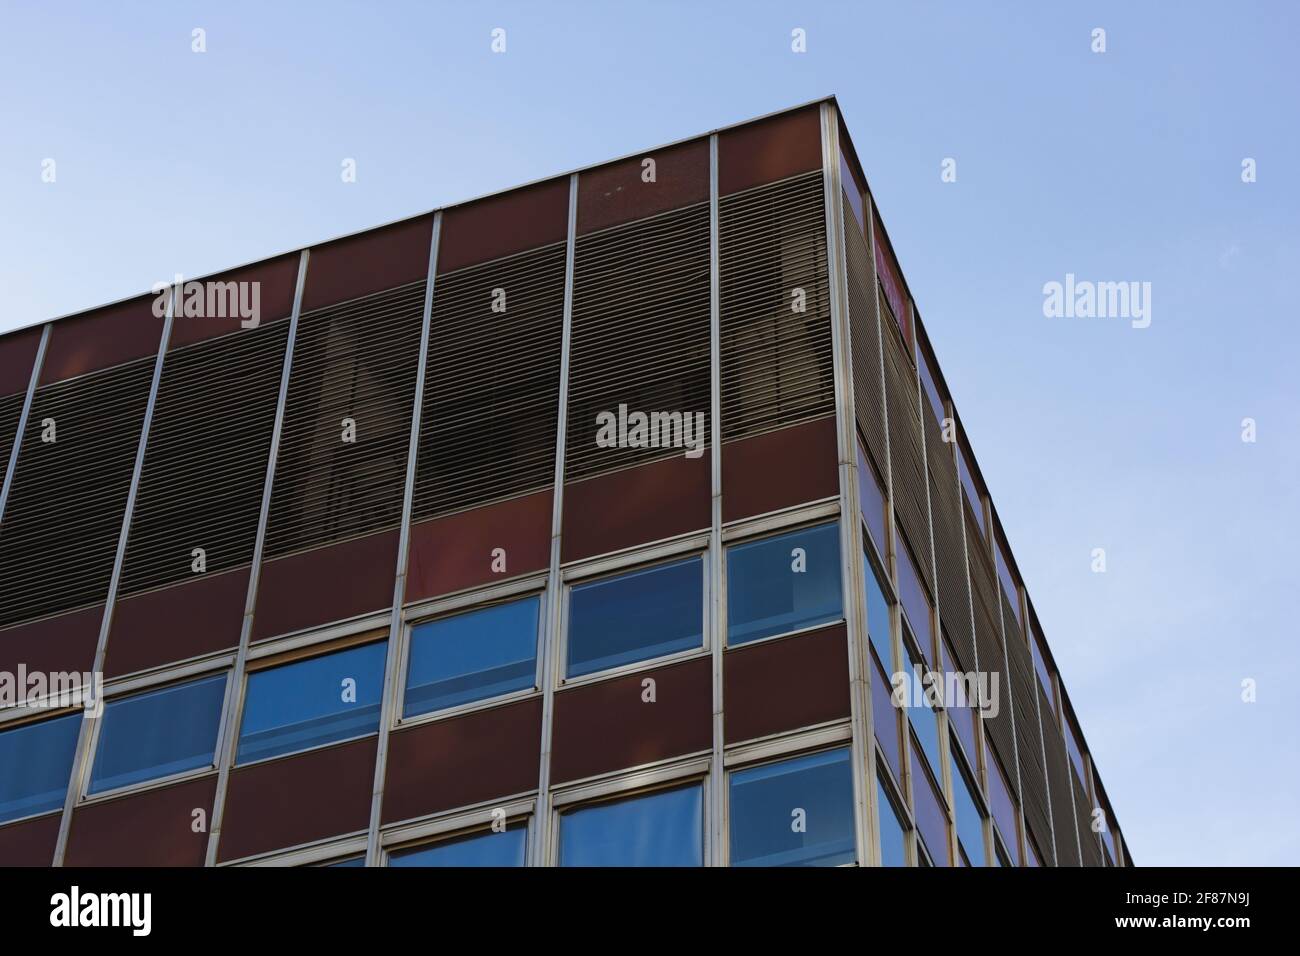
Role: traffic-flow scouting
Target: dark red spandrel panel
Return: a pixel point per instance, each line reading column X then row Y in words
column 617, row 193
column 463, row 760
column 500, row 225
column 102, row 338
column 300, row 799
column 17, row 353
column 784, row 684
column 326, row 584
column 636, row 506
column 607, row 726
column 770, row 149
column 190, row 619
column 779, row 469
column 154, row 828
column 367, row 262
column 31, row 842
column 454, row 552
column 65, row 642
column 275, row 278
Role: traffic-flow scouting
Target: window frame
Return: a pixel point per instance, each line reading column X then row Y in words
column 15, row 718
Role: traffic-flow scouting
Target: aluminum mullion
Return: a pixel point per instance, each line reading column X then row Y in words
column 392, row 679
column 718, row 827
column 83, row 756
column 543, row 846
column 37, row 363
column 235, row 692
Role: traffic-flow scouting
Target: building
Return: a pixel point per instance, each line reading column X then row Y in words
column 375, row 542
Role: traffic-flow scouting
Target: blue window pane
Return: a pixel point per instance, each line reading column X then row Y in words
column 794, row 813
column 158, row 733
column 472, row 656
column 970, row 826
column 636, row 616
column 878, row 618
column 782, row 584
column 872, row 502
column 892, row 850
column 352, row 863
column 312, row 702
column 659, row 829
column 35, row 764
column 480, row 849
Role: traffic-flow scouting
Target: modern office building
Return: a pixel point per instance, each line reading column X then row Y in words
column 586, row 523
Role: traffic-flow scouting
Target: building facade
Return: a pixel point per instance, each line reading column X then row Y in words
column 623, row 517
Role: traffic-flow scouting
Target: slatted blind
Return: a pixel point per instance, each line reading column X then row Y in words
column 1088, row 840
column 1033, row 778
column 64, row 515
column 492, row 383
column 640, row 333
column 776, row 363
column 1058, row 780
column 354, row 360
column 989, row 644
column 11, row 409
column 905, row 453
column 205, row 462
column 864, row 344
column 950, row 556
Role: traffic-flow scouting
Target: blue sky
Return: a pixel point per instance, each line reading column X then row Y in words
column 1118, row 166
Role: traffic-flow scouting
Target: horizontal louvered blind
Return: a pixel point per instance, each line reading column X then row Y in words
column 355, row 360
column 950, row 555
column 492, row 383
column 1033, row 778
column 64, row 515
column 989, row 645
column 1058, row 781
column 777, row 366
column 639, row 337
column 905, row 453
column 1088, row 839
column 864, row 344
column 11, row 409
column 205, row 461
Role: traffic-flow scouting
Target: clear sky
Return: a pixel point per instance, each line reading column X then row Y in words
column 1117, row 166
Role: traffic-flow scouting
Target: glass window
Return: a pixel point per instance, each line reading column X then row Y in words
column 972, row 491
column 794, row 813
column 1004, row 808
column 931, row 818
column 916, row 604
column 1040, row 665
column 472, row 656
column 489, row 848
column 970, row 822
column 312, row 702
column 158, row 733
column 885, row 717
column 931, row 390
column 782, row 584
column 351, row 863
column 878, row 617
column 1076, row 752
column 959, row 695
column 635, row 617
column 872, row 501
column 893, row 851
column 35, row 764
column 1008, row 583
column 924, row 719
column 665, row 828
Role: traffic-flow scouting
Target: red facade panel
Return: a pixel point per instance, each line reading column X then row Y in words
column 787, row 683
column 272, row 282
column 609, row 725
column 62, row 643
column 176, row 623
column 623, row 191
column 154, row 828
column 327, row 584
column 102, row 338
column 31, row 842
column 455, row 552
column 636, row 506
column 463, row 760
column 300, row 799
column 368, row 262
column 779, row 469
column 501, row 225
column 17, row 353
column 769, row 150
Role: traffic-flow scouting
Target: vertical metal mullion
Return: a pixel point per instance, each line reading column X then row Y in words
column 37, row 364
column 851, row 556
column 542, row 848
column 719, row 850
column 82, row 756
column 389, row 701
column 235, row 692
